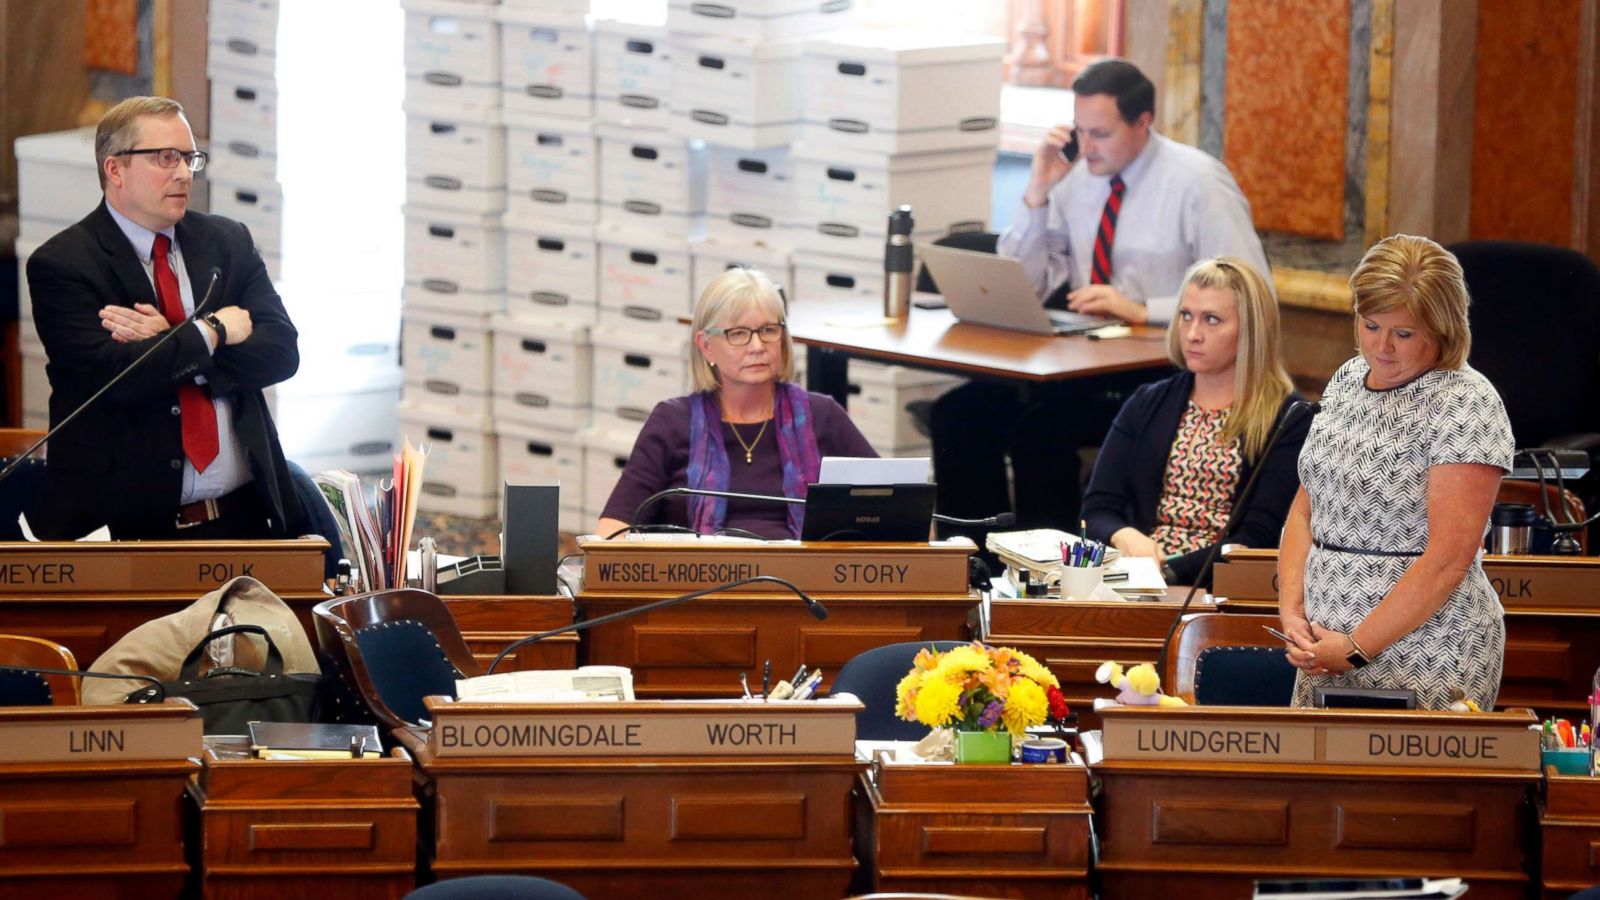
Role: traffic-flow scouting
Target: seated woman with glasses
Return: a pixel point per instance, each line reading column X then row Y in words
column 1180, row 449
column 748, row 428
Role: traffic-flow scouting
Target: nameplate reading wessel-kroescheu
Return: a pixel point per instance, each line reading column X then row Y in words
column 1290, row 738
column 622, row 566
column 537, row 734
column 100, row 739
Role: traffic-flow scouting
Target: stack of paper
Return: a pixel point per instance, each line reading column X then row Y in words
column 376, row 530
column 582, row 685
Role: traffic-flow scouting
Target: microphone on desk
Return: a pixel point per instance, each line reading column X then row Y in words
column 199, row 310
column 812, row 604
column 159, row 693
column 1311, row 408
column 998, row 520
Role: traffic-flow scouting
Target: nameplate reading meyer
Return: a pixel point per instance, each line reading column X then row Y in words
column 67, row 734
column 938, row 567
column 644, row 728
column 1400, row 739
column 185, row 567
column 1520, row 581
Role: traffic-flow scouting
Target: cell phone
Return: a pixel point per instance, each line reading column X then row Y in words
column 1069, row 150
column 1280, row 635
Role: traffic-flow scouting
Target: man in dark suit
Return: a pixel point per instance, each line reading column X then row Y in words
column 184, row 447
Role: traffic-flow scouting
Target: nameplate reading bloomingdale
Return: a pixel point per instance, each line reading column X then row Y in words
column 630, row 566
column 643, row 728
column 1401, row 738
column 97, row 734
column 190, row 568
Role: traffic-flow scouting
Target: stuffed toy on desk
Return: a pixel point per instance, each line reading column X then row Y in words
column 1138, row 686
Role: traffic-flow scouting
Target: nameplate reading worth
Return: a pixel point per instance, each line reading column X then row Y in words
column 637, row 729
column 1331, row 737
column 188, row 567
column 100, row 734
column 937, row 567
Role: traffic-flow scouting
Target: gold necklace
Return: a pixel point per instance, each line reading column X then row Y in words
column 749, row 448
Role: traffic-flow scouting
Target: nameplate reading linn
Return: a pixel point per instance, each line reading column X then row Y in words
column 630, row 566
column 683, row 734
column 100, row 739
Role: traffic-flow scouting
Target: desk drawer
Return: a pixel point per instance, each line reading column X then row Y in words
column 306, row 837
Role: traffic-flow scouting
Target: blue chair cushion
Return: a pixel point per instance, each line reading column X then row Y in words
column 24, row 689
column 495, row 887
column 872, row 676
column 18, row 494
column 1243, row 676
column 406, row 664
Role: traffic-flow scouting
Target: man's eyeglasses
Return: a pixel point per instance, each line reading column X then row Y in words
column 740, row 337
column 167, row 157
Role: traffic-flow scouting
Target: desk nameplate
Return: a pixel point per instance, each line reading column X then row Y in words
column 97, row 734
column 642, row 728
column 938, row 567
column 187, row 567
column 1407, row 739
column 1520, row 581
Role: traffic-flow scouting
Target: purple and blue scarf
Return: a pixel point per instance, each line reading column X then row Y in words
column 708, row 457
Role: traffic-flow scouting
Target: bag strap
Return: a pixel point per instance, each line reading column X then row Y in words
column 191, row 663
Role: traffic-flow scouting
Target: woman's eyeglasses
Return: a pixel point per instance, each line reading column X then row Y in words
column 168, row 157
column 740, row 337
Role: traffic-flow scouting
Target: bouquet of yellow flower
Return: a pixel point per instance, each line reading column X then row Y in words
column 978, row 688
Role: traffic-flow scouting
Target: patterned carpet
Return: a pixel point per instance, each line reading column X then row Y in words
column 461, row 536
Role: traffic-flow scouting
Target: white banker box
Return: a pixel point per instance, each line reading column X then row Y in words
column 56, row 183
column 552, row 268
column 737, row 93
column 712, row 257
column 652, row 182
column 632, row 74
column 258, row 205
column 759, row 20
column 541, row 372
column 447, row 359
column 455, row 260
column 552, row 169
column 631, row 376
column 243, row 35
column 462, row 475
column 455, row 161
column 605, row 454
column 546, row 455
column 452, row 54
column 821, row 276
column 546, row 63
column 644, row 283
column 750, row 194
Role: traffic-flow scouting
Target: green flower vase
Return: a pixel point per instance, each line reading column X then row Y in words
column 991, row 747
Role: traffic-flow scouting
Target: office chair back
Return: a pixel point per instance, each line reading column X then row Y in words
column 21, row 490
column 1222, row 659
column 873, row 676
column 390, row 649
column 495, row 887
column 33, row 688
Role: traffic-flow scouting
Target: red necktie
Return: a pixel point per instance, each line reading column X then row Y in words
column 199, row 415
column 1101, row 273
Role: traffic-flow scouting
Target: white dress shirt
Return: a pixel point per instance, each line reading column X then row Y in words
column 229, row 470
column 1180, row 206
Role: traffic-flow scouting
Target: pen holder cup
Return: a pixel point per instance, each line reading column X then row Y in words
column 1080, row 583
column 1568, row 761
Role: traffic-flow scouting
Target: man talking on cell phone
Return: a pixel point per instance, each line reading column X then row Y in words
column 183, row 447
column 1115, row 232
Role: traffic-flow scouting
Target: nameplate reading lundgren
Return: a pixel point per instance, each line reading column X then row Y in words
column 184, row 567
column 1331, row 737
column 938, row 567
column 67, row 734
column 645, row 728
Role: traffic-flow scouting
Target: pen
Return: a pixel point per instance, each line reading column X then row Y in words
column 799, row 676
column 766, row 677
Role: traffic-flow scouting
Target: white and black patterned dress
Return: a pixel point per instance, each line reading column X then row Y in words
column 1365, row 467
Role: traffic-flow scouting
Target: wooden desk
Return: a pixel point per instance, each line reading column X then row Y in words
column 991, row 831
column 488, row 623
column 271, row 829
column 86, row 596
column 933, row 339
column 1569, row 822
column 1552, row 622
column 1237, row 805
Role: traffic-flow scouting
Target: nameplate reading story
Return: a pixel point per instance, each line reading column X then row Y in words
column 630, row 566
column 1401, row 738
column 643, row 728
column 183, row 567
column 67, row 734
column 1521, row 581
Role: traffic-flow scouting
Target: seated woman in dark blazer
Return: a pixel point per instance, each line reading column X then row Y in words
column 1180, row 449
column 748, row 428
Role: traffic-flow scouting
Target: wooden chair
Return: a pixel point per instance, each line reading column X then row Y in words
column 1557, row 504
column 389, row 650
column 1247, row 665
column 25, row 652
column 15, row 440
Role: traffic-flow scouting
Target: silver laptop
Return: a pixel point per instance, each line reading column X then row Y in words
column 986, row 289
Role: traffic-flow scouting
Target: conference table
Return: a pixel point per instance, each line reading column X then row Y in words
column 835, row 332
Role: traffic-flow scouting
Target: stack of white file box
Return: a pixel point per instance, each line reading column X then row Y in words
column 339, row 409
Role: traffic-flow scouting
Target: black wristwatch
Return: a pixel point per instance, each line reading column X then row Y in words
column 217, row 326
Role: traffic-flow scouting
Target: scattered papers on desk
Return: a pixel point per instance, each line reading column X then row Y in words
column 1037, row 549
column 313, row 740
column 583, row 685
column 376, row 531
column 1143, row 576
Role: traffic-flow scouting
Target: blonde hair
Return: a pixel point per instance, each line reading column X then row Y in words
column 119, row 127
column 1260, row 381
column 729, row 296
column 1411, row 273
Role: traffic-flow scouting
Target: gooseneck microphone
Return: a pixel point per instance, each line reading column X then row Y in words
column 1311, row 408
column 815, row 606
column 999, row 520
column 199, row 309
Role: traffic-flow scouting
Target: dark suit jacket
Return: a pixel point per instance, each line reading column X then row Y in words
column 1130, row 471
column 121, row 461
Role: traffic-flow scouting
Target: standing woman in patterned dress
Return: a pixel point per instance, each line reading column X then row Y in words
column 1172, row 464
column 1381, row 581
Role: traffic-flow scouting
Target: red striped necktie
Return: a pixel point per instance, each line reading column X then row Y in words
column 1103, row 238
column 199, row 416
